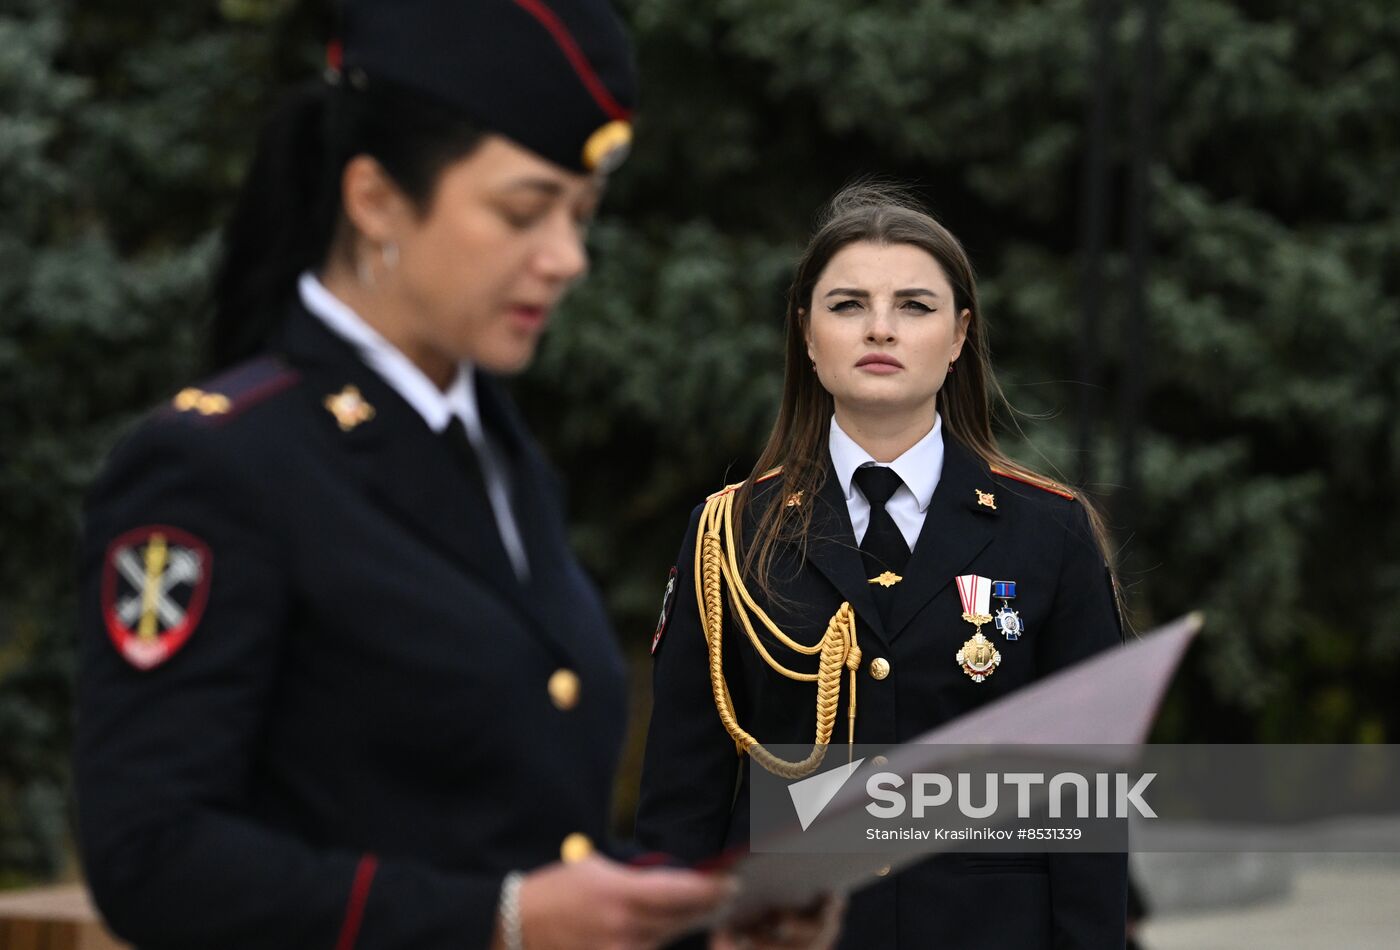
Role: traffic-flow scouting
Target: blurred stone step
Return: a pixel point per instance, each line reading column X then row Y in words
column 60, row 917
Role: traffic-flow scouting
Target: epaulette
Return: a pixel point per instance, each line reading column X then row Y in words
column 230, row 393
column 1044, row 484
column 773, row 473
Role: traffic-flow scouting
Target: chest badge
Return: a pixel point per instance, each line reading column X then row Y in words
column 986, row 499
column 1007, row 621
column 349, row 408
column 887, row 579
column 978, row 658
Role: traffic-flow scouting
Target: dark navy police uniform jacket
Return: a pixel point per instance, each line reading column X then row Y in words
column 316, row 706
column 689, row 807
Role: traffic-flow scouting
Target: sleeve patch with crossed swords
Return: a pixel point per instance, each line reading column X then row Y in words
column 155, row 583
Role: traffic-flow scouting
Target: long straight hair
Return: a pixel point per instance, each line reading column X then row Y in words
column 883, row 215
column 288, row 212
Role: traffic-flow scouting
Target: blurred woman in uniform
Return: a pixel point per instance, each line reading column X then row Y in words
column 883, row 546
column 342, row 683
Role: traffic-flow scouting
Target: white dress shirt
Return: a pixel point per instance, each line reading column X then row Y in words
column 435, row 406
column 920, row 468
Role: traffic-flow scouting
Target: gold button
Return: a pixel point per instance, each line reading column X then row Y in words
column 563, row 689
column 884, row 871
column 575, row 848
column 879, row 667
column 879, row 760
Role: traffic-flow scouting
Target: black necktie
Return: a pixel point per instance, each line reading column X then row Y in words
column 459, row 446
column 483, row 467
column 883, row 548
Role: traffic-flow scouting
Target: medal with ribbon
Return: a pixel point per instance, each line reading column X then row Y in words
column 1007, row 620
column 978, row 657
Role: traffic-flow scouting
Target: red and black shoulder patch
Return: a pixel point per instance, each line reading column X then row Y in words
column 667, row 602
column 236, row 391
column 155, row 585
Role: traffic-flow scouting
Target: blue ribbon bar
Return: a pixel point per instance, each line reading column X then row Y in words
column 1006, row 590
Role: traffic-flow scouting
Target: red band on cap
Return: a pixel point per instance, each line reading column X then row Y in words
column 574, row 55
column 335, row 54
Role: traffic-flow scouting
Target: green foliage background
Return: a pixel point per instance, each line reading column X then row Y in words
column 1269, row 440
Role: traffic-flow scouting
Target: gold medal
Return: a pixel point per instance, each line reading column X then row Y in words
column 978, row 658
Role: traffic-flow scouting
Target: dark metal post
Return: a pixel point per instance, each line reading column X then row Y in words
column 1135, row 329
column 1093, row 219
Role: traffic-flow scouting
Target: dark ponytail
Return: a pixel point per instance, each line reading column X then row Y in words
column 288, row 210
column 281, row 224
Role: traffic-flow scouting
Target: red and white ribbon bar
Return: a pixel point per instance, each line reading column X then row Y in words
column 976, row 594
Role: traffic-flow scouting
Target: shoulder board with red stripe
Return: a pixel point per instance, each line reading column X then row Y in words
column 1044, row 484
column 219, row 399
column 766, row 476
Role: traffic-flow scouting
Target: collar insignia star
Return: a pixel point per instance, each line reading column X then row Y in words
column 349, row 408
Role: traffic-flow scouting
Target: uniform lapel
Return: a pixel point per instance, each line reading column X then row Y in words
column 956, row 529
column 831, row 547
column 401, row 462
column 534, row 502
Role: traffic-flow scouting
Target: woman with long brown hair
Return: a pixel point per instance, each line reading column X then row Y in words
column 880, row 519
